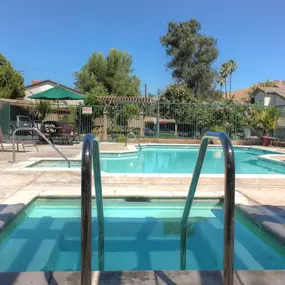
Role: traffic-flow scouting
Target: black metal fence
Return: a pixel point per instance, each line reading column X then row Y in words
column 158, row 120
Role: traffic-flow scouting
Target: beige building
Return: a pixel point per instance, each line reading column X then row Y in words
column 38, row 86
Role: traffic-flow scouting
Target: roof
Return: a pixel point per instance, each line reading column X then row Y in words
column 273, row 90
column 123, row 99
column 55, row 83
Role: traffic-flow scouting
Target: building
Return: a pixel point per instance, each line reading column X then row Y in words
column 270, row 96
column 38, row 86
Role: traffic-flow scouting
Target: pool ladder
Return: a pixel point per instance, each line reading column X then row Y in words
column 134, row 136
column 90, row 156
column 229, row 202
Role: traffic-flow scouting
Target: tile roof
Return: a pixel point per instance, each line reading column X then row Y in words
column 277, row 90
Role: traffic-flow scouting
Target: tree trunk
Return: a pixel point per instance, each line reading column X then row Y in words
column 226, row 91
column 176, row 128
column 230, row 86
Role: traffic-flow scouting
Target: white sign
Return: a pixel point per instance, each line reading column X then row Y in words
column 86, row 110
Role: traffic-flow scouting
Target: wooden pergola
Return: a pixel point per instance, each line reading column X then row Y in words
column 116, row 100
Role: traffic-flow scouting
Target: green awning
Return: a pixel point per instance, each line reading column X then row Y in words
column 57, row 93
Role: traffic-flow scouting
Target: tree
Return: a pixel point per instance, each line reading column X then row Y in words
column 40, row 109
column 232, row 66
column 265, row 119
column 91, row 97
column 192, row 55
column 226, row 70
column 220, row 80
column 267, row 83
column 176, row 97
column 11, row 81
column 112, row 75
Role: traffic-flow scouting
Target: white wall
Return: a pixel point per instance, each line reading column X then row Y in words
column 40, row 88
column 270, row 99
column 37, row 89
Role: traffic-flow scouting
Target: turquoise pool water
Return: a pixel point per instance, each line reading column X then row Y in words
column 138, row 236
column 161, row 159
column 176, row 160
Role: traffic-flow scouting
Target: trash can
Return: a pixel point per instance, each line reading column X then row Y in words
column 266, row 141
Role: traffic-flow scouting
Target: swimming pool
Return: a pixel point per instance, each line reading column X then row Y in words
column 138, row 236
column 177, row 160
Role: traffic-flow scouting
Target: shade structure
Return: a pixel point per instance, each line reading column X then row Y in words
column 57, row 93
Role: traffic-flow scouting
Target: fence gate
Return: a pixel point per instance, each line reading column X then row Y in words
column 90, row 120
column 5, row 119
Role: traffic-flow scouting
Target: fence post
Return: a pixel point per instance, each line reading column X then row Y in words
column 157, row 119
column 105, row 126
column 141, row 124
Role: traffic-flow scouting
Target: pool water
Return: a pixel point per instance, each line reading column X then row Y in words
column 177, row 160
column 138, row 236
column 182, row 160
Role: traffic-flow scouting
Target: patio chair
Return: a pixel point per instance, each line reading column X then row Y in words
column 279, row 137
column 17, row 142
column 251, row 137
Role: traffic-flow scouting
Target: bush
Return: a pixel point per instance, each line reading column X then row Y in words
column 166, row 135
column 120, row 139
column 218, row 129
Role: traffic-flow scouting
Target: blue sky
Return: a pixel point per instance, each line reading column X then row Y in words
column 52, row 39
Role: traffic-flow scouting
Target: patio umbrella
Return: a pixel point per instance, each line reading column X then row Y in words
column 57, row 93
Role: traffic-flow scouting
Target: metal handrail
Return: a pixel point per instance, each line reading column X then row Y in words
column 229, row 204
column 43, row 137
column 90, row 152
column 131, row 133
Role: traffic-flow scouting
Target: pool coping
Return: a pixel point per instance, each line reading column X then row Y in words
column 159, row 277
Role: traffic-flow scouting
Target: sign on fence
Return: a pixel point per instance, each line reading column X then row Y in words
column 86, row 110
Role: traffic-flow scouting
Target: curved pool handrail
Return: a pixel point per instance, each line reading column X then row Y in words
column 90, row 156
column 42, row 136
column 131, row 133
column 229, row 202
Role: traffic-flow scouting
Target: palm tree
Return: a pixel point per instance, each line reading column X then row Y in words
column 231, row 67
column 224, row 72
column 220, row 80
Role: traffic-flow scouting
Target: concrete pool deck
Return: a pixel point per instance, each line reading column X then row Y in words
column 26, row 185
column 241, row 277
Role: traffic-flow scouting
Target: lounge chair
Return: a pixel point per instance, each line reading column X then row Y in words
column 17, row 142
column 279, row 137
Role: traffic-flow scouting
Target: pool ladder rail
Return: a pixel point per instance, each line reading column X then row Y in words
column 229, row 202
column 91, row 157
column 34, row 129
column 134, row 136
